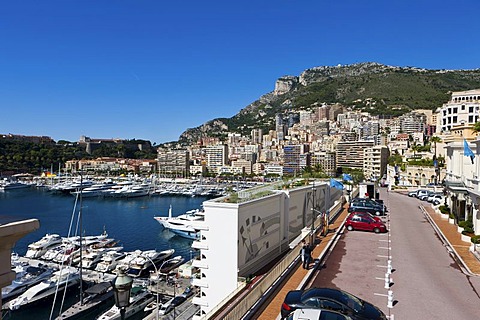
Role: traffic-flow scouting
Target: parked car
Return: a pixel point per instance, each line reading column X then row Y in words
column 412, row 193
column 438, row 201
column 188, row 292
column 170, row 304
column 314, row 314
column 366, row 207
column 362, row 222
column 436, row 195
column 376, row 202
column 331, row 299
column 424, row 197
column 418, row 193
column 367, row 214
column 421, row 193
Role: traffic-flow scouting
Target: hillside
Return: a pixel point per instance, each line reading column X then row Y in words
column 391, row 91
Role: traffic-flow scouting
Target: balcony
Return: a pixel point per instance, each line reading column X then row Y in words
column 199, row 283
column 201, row 245
column 202, row 264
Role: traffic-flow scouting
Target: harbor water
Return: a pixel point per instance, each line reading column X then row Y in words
column 130, row 221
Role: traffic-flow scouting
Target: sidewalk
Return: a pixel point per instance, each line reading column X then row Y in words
column 299, row 275
column 461, row 248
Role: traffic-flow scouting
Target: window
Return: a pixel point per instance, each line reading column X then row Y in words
column 454, row 119
column 331, row 305
column 313, row 302
column 470, row 109
column 455, row 110
column 470, row 119
column 463, row 107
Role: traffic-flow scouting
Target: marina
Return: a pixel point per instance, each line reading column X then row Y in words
column 129, row 221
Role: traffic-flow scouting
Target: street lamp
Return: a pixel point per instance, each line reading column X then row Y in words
column 122, row 284
column 158, row 280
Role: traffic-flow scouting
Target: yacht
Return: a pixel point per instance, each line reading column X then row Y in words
column 57, row 253
column 146, row 259
column 97, row 299
column 139, row 299
column 38, row 249
column 109, row 261
column 127, row 260
column 7, row 185
column 26, row 276
column 171, row 264
column 95, row 190
column 92, row 257
column 186, row 225
column 61, row 279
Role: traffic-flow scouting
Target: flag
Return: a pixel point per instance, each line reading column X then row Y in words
column 336, row 184
column 347, row 177
column 467, row 151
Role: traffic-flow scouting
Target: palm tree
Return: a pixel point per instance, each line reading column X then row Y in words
column 435, row 140
column 476, row 127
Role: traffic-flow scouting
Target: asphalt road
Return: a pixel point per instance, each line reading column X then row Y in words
column 425, row 281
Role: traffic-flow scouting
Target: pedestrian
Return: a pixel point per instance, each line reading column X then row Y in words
column 302, row 252
column 306, row 254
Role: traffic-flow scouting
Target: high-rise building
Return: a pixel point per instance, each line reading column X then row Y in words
column 350, row 154
column 216, row 156
column 173, row 162
column 375, row 162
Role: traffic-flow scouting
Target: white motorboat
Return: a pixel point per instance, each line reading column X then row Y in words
column 10, row 185
column 146, row 259
column 26, row 276
column 92, row 257
column 109, row 261
column 139, row 299
column 186, row 225
column 38, row 249
column 171, row 264
column 127, row 260
column 95, row 190
column 61, row 279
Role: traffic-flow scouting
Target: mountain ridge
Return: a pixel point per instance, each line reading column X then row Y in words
column 394, row 91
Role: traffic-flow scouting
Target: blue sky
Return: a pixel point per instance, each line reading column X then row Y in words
column 149, row 69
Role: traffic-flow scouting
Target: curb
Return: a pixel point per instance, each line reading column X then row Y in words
column 447, row 244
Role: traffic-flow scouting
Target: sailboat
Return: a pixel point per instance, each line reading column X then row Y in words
column 98, row 298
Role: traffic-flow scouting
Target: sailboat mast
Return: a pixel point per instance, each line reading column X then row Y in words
column 81, row 239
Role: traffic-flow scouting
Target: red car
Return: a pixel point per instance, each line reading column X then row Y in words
column 360, row 221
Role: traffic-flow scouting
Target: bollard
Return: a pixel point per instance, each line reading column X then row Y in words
column 387, row 281
column 390, row 299
column 389, row 266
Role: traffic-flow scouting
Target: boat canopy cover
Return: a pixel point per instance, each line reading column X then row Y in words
column 99, row 288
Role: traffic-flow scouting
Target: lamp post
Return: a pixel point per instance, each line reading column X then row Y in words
column 313, row 215
column 122, row 284
column 158, row 280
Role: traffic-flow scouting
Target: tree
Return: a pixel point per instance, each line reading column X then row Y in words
column 476, row 127
column 435, row 140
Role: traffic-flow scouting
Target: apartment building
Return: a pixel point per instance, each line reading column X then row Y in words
column 326, row 160
column 173, row 161
column 350, row 154
column 463, row 108
column 216, row 156
column 375, row 162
